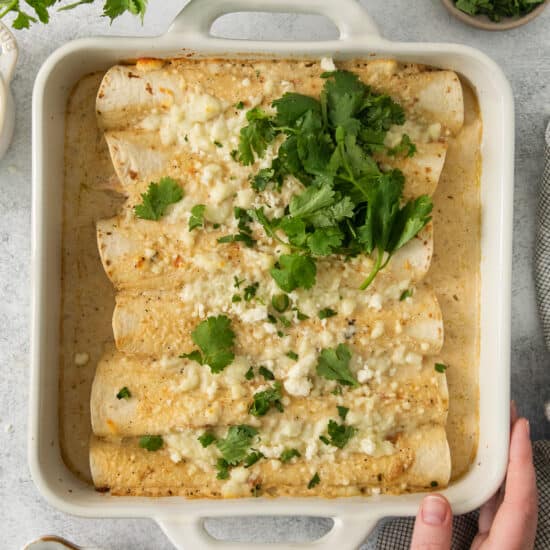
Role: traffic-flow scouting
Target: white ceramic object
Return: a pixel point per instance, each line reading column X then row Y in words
column 8, row 59
column 181, row 519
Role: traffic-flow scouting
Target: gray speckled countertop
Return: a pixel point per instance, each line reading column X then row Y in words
column 523, row 54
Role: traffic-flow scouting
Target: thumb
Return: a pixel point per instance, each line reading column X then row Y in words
column 433, row 525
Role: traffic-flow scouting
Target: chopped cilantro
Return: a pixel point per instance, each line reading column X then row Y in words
column 151, row 442
column 236, row 298
column 315, row 480
column 301, row 316
column 280, row 302
column 326, row 313
column 215, row 340
column 288, row 454
column 238, row 440
column 497, row 9
column 434, row 484
column 218, row 144
column 250, row 291
column 245, row 233
column 342, row 411
column 292, row 355
column 284, row 321
column 405, row 294
column 339, row 434
column 280, row 333
column 249, row 374
column 239, row 105
column 440, row 367
column 333, row 364
column 266, row 373
column 324, row 439
column 223, row 469
column 234, row 154
column 197, row 216
column 207, row 438
column 251, row 458
column 238, row 282
column 157, row 199
column 271, row 319
column 124, row 393
column 266, row 399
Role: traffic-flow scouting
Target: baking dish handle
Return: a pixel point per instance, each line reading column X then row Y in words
column 346, row 534
column 350, row 18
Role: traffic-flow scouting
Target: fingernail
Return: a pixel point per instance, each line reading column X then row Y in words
column 434, row 510
column 527, row 428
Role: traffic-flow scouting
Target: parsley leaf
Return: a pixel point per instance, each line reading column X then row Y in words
column 292, row 355
column 215, row 340
column 293, row 271
column 250, row 291
column 151, row 442
column 288, row 454
column 292, row 107
column 124, row 393
column 266, row 399
column 496, row 9
column 333, row 364
column 197, row 216
column 235, row 445
column 206, row 439
column 315, row 480
column 157, row 199
column 249, row 375
column 406, row 294
column 115, row 8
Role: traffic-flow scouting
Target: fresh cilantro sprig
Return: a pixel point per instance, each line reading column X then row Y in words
column 349, row 205
column 497, row 9
column 238, row 440
column 158, row 198
column 333, row 364
column 215, row 339
column 338, row 434
column 41, row 9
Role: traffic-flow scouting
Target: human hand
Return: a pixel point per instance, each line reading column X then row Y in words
column 508, row 521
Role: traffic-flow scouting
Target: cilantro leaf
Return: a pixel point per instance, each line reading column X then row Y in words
column 266, row 373
column 206, row 439
column 405, row 148
column 293, row 271
column 151, row 442
column 250, row 291
column 315, row 480
column 496, row 9
column 115, row 8
column 333, row 364
column 342, row 411
column 288, row 454
column 280, row 302
column 405, row 294
column 215, row 340
column 293, row 106
column 251, row 458
column 235, row 445
column 223, row 469
column 325, row 240
column 124, row 393
column 441, row 367
column 262, row 179
column 249, row 375
column 326, row 313
column 157, row 199
column 197, row 216
column 340, row 434
column 255, row 137
column 266, row 399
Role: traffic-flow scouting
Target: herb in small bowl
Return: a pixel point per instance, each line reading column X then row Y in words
column 495, row 15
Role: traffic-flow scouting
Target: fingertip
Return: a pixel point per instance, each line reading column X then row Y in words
column 435, row 510
column 513, row 412
column 433, row 525
column 520, row 444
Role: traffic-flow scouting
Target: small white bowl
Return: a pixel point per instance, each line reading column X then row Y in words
column 8, row 59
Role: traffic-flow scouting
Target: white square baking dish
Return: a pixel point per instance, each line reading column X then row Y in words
column 353, row 517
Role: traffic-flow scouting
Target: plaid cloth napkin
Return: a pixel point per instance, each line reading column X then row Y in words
column 542, row 251
column 395, row 534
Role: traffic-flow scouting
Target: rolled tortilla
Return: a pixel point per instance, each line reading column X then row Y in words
column 168, row 395
column 140, row 158
column 138, row 254
column 421, row 461
column 159, row 322
column 130, row 93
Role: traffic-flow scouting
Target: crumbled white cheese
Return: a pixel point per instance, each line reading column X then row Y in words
column 327, row 64
column 377, row 329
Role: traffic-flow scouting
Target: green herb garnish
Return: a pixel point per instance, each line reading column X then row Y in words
column 340, row 434
column 406, row 294
column 333, row 364
column 326, row 313
column 264, row 400
column 124, row 393
column 315, row 480
column 157, row 199
column 288, row 454
column 249, row 374
column 292, row 355
column 440, row 367
column 495, row 10
column 280, row 302
column 251, row 458
column 250, row 291
column 342, row 411
column 207, row 438
column 151, row 442
column 197, row 216
column 266, row 373
column 238, row 440
column 215, row 340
